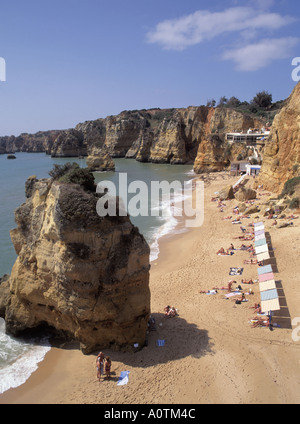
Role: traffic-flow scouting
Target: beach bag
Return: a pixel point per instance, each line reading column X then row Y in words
column 238, row 302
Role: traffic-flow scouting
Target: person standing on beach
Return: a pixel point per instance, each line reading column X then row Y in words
column 100, row 365
column 107, row 366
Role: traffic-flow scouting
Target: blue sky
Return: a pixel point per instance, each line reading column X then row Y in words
column 69, row 61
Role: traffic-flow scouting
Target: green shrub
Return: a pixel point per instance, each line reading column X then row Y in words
column 71, row 173
column 290, row 186
column 295, row 203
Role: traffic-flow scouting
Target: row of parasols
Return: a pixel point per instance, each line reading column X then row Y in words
column 268, row 291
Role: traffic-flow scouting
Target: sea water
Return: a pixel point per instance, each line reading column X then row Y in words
column 20, row 358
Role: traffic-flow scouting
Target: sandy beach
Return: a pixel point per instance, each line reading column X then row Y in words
column 211, row 354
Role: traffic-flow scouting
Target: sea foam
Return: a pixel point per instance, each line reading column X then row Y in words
column 19, row 359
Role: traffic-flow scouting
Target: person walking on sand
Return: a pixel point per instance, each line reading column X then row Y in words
column 107, row 366
column 100, row 365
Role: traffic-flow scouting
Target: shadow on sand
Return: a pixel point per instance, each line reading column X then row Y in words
column 180, row 340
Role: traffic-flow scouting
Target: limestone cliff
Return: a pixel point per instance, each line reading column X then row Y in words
column 100, row 160
column 176, row 136
column 281, row 158
column 41, row 141
column 83, row 275
column 69, row 143
column 214, row 153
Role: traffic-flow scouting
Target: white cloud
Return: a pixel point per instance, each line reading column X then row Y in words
column 259, row 55
column 178, row 34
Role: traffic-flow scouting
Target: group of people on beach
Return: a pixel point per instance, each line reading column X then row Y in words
column 103, row 365
column 170, row 312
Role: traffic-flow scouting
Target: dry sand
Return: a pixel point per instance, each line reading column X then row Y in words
column 211, row 353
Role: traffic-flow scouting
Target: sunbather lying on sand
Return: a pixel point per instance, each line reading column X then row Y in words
column 247, row 238
column 250, row 262
column 247, row 281
column 241, row 299
column 213, row 291
column 264, row 322
column 257, row 308
column 224, row 253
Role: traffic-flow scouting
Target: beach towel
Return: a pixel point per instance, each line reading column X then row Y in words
column 233, row 294
column 160, row 343
column 123, row 379
column 236, row 271
column 258, row 224
column 260, row 228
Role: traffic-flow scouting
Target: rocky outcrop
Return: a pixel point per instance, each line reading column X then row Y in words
column 244, row 194
column 100, row 160
column 214, row 153
column 83, row 275
column 69, row 144
column 226, row 193
column 281, row 157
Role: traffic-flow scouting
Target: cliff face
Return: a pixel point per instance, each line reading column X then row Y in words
column 83, row 275
column 281, row 157
column 68, row 144
column 42, row 141
column 214, row 153
column 100, row 160
column 176, row 136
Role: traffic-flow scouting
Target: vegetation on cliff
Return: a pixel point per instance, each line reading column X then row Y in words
column 261, row 106
column 71, row 173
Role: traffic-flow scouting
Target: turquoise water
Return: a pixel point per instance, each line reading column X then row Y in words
column 14, row 174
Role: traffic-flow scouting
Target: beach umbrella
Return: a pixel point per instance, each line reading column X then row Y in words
column 263, row 256
column 265, row 270
column 261, row 249
column 260, row 228
column 259, row 233
column 260, row 237
column 267, row 285
column 260, row 242
column 269, row 295
column 266, row 277
column 270, row 305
